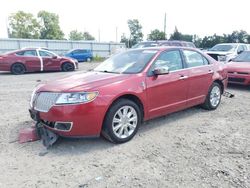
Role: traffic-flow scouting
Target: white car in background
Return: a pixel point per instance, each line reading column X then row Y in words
column 227, row 51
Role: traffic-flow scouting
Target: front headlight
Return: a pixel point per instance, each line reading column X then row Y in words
column 73, row 98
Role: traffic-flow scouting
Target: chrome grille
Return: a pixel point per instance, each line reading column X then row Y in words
column 44, row 101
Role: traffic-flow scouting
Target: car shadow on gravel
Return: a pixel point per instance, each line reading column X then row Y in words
column 75, row 146
column 65, row 146
column 170, row 119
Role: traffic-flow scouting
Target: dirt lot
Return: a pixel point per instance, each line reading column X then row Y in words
column 192, row 148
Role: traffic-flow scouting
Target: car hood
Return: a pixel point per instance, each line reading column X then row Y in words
column 67, row 58
column 239, row 66
column 82, row 82
column 218, row 52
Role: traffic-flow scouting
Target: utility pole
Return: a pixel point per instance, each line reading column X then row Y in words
column 165, row 25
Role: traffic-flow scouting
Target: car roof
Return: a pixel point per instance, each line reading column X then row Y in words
column 79, row 49
column 34, row 48
column 162, row 48
column 231, row 43
column 24, row 49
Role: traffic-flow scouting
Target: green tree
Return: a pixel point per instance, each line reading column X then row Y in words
column 23, row 25
column 197, row 41
column 238, row 36
column 125, row 40
column 156, row 35
column 176, row 35
column 248, row 39
column 87, row 36
column 76, row 35
column 187, row 37
column 136, row 34
column 179, row 36
column 50, row 28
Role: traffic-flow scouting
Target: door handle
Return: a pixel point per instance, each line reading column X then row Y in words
column 183, row 77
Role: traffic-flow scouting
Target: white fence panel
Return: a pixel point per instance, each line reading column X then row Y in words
column 61, row 46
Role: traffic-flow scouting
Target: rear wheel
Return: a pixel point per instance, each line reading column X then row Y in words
column 213, row 97
column 88, row 59
column 18, row 68
column 68, row 67
column 122, row 121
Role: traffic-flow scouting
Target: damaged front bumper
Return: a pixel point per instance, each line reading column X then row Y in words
column 48, row 137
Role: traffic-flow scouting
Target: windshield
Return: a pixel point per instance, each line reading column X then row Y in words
column 127, row 62
column 223, row 47
column 243, row 57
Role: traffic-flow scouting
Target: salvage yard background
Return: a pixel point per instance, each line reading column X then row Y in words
column 101, row 49
column 192, row 148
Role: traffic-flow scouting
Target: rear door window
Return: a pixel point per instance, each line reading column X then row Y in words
column 45, row 54
column 194, row 59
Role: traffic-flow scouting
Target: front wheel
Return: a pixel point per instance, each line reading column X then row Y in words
column 213, row 97
column 68, row 67
column 122, row 121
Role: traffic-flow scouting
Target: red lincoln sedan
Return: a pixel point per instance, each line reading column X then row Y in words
column 33, row 60
column 125, row 90
column 239, row 69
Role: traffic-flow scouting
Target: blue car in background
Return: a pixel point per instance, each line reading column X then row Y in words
column 80, row 54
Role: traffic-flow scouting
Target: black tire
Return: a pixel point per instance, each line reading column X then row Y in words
column 66, row 67
column 18, row 68
column 107, row 130
column 208, row 104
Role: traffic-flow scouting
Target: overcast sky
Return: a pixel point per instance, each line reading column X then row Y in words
column 201, row 17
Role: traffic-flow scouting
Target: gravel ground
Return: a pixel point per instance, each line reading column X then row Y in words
column 191, row 148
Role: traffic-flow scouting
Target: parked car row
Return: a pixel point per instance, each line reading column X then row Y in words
column 237, row 57
column 225, row 52
column 236, row 53
column 35, row 60
column 239, row 69
column 80, row 54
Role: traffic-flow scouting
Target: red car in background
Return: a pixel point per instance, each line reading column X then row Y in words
column 34, row 60
column 125, row 90
column 239, row 69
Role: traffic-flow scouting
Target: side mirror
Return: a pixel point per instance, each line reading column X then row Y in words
column 54, row 57
column 161, row 70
